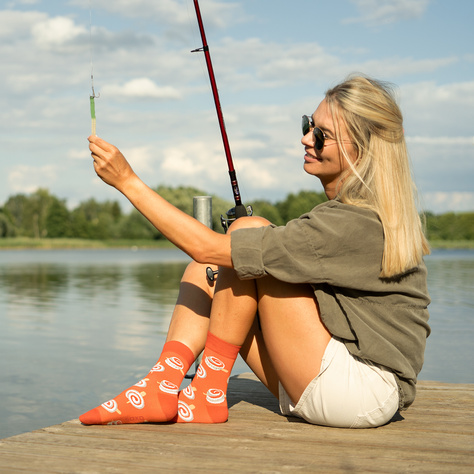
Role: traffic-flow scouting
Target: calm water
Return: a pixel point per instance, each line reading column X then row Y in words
column 77, row 327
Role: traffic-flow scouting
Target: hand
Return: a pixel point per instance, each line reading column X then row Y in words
column 109, row 163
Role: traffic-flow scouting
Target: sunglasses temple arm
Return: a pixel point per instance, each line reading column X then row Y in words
column 240, row 209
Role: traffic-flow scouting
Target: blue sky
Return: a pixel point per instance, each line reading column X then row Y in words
column 273, row 61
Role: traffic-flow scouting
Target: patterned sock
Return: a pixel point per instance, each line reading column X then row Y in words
column 204, row 400
column 154, row 398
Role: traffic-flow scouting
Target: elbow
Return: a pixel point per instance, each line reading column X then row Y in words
column 215, row 250
column 200, row 256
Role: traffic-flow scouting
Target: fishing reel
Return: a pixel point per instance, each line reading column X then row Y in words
column 230, row 217
column 225, row 222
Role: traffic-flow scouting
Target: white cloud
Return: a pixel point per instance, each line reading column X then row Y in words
column 429, row 93
column 380, row 12
column 141, row 159
column 15, row 25
column 27, row 179
column 141, row 88
column 172, row 12
column 401, row 66
column 441, row 141
column 56, row 32
column 192, row 160
column 79, row 154
column 255, row 63
column 448, row 201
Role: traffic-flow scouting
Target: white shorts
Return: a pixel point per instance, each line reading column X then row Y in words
column 348, row 392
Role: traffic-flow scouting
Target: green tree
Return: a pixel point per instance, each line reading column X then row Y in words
column 450, row 226
column 6, row 225
column 29, row 212
column 15, row 209
column 182, row 198
column 58, row 220
column 268, row 211
column 135, row 226
column 94, row 220
column 297, row 204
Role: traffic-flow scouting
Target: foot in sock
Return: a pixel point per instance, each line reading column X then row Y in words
column 205, row 399
column 152, row 399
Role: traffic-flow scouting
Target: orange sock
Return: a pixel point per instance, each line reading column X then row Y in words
column 204, row 400
column 154, row 398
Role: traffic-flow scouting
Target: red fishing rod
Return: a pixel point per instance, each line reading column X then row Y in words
column 240, row 209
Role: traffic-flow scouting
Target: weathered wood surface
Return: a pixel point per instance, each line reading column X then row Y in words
column 435, row 435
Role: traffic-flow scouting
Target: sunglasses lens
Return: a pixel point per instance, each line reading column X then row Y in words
column 319, row 139
column 305, row 125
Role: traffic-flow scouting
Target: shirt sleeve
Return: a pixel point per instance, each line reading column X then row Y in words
column 331, row 244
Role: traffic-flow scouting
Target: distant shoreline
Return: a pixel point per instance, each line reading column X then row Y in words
column 23, row 243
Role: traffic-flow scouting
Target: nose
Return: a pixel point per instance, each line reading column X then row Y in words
column 307, row 139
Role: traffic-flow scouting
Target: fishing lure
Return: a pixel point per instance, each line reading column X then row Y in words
column 93, row 120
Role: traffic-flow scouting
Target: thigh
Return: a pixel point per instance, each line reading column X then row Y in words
column 292, row 331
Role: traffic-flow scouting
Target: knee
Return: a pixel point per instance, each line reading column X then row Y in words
column 250, row 221
column 196, row 273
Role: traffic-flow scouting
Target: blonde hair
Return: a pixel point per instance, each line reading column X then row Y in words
column 380, row 178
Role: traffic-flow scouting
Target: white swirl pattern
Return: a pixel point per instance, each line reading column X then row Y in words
column 135, row 399
column 174, row 363
column 189, row 392
column 169, row 387
column 110, row 406
column 157, row 368
column 185, row 412
column 215, row 396
column 201, row 372
column 214, row 363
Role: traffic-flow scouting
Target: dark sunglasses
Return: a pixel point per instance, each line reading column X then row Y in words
column 319, row 135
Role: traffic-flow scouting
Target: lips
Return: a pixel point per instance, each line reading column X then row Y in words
column 311, row 159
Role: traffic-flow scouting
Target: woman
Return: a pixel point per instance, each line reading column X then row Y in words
column 340, row 292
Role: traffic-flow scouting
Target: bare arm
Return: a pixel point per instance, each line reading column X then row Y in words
column 198, row 241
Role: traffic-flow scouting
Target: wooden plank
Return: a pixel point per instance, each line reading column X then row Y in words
column 435, row 435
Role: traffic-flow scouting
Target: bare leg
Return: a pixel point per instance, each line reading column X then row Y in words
column 293, row 339
column 190, row 320
column 155, row 397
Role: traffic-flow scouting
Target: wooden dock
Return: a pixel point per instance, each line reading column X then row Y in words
column 435, row 435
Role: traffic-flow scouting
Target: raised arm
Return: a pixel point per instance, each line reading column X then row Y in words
column 198, row 241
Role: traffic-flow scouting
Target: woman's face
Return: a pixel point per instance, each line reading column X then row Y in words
column 328, row 163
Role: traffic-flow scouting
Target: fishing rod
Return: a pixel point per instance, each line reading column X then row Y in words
column 239, row 210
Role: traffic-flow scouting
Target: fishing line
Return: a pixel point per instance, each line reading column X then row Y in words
column 93, row 96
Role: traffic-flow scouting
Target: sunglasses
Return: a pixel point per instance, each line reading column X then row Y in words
column 319, row 135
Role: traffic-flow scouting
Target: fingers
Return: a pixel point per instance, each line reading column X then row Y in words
column 99, row 148
column 100, row 143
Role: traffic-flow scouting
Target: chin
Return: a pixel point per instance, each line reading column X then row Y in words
column 310, row 169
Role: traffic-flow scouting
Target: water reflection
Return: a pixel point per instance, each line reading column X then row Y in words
column 76, row 327
column 449, row 351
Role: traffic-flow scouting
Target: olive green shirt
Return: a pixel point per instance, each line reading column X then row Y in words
column 338, row 248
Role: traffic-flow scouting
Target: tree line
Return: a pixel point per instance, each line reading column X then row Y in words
column 42, row 215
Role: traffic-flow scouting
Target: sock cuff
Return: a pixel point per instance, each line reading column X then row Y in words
column 222, row 347
column 182, row 349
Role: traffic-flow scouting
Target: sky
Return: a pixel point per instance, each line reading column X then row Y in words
column 273, row 61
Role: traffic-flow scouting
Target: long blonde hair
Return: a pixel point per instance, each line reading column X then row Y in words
column 380, row 178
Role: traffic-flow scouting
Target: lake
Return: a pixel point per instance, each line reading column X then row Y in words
column 79, row 326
